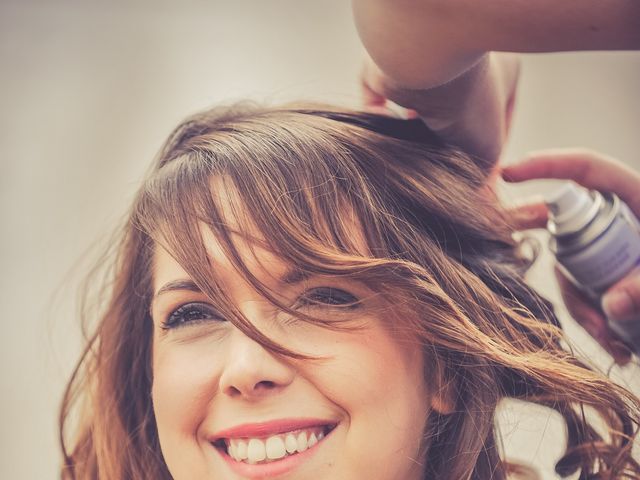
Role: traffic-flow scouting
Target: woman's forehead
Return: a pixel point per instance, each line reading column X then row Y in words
column 238, row 213
column 261, row 262
column 235, row 227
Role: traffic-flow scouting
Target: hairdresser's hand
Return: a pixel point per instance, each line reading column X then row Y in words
column 472, row 111
column 596, row 171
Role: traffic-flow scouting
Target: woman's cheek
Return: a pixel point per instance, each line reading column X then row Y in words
column 351, row 365
column 183, row 372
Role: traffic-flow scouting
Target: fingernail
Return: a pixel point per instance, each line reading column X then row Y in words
column 510, row 172
column 617, row 305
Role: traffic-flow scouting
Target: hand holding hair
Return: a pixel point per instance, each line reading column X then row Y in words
column 593, row 170
column 447, row 60
column 472, row 111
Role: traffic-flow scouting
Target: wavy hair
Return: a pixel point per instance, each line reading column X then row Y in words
column 438, row 247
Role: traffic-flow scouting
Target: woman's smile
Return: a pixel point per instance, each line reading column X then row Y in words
column 257, row 414
column 271, row 448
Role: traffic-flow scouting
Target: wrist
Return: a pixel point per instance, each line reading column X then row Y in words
column 448, row 104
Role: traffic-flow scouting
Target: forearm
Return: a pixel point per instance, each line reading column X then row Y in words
column 425, row 43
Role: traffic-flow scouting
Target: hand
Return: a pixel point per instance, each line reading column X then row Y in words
column 473, row 111
column 621, row 302
column 378, row 89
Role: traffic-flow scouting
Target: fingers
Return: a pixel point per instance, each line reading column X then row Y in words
column 622, row 300
column 589, row 169
column 596, row 171
column 532, row 215
column 371, row 98
column 374, row 96
column 591, row 320
column 371, row 85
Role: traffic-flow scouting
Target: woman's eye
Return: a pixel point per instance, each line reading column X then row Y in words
column 329, row 297
column 190, row 314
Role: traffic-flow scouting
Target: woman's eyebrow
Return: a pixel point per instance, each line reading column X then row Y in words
column 290, row 277
column 293, row 276
column 182, row 284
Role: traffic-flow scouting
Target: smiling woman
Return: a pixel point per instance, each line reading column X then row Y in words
column 261, row 413
column 305, row 292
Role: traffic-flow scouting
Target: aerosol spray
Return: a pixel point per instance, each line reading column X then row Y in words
column 596, row 240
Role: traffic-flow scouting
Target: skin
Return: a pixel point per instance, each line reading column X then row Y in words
column 472, row 111
column 422, row 44
column 210, row 376
column 432, row 56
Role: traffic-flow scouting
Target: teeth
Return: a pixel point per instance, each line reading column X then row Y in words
column 257, row 450
column 302, row 441
column 290, row 443
column 275, row 448
column 241, row 450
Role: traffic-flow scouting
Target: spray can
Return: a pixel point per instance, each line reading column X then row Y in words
column 596, row 240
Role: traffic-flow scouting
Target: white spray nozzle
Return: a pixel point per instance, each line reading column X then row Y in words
column 571, row 208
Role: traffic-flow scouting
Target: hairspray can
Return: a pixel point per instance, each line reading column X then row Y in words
column 596, row 240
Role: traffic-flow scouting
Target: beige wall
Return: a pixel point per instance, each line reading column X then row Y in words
column 90, row 89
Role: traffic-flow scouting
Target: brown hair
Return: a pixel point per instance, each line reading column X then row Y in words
column 438, row 245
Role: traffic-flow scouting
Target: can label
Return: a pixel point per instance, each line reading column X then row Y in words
column 606, row 260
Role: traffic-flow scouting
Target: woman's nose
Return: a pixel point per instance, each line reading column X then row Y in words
column 251, row 371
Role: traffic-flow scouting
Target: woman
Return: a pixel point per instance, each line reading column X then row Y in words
column 308, row 292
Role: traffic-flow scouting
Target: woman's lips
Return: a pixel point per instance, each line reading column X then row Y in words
column 272, row 427
column 262, row 457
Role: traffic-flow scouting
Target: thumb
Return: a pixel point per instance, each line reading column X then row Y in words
column 530, row 215
column 622, row 301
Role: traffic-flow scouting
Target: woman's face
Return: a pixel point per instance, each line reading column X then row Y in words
column 227, row 408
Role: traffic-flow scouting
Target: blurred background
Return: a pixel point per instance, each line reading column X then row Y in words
column 91, row 89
